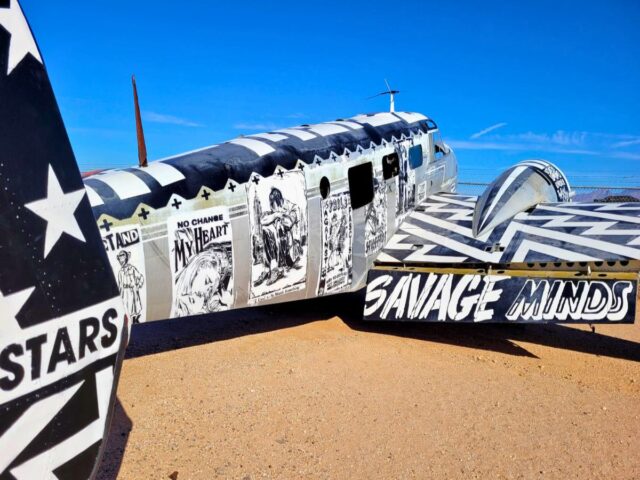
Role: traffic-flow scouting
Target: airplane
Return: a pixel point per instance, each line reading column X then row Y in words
column 287, row 215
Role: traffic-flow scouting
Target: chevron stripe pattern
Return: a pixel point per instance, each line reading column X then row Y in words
column 439, row 232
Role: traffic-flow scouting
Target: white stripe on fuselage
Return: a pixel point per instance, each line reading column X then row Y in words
column 272, row 137
column 94, row 198
column 163, row 173
column 256, row 146
column 326, row 129
column 410, row 117
column 378, row 119
column 125, row 184
column 301, row 134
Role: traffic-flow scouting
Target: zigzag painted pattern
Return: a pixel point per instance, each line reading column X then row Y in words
column 439, row 232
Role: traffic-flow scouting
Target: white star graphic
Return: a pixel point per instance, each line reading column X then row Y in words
column 11, row 306
column 22, row 41
column 58, row 209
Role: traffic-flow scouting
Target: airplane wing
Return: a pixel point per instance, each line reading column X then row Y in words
column 451, row 260
column 62, row 322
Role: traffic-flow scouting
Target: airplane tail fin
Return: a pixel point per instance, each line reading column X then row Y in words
column 62, row 322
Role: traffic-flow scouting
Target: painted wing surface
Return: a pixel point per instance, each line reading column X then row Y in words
column 62, row 322
column 555, row 262
column 440, row 232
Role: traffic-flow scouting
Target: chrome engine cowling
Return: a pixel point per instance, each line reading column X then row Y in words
column 517, row 189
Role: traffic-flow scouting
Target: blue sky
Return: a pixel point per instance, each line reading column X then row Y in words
column 504, row 80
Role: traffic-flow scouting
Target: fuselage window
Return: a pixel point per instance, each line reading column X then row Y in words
column 361, row 185
column 325, row 188
column 415, row 156
column 440, row 153
column 390, row 166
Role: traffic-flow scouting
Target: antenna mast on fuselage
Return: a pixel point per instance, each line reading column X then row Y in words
column 392, row 96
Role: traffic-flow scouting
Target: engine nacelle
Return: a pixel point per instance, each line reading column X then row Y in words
column 519, row 188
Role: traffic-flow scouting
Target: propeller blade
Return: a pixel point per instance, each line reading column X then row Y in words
column 378, row 95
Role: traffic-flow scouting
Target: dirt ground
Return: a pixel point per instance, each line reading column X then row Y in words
column 306, row 390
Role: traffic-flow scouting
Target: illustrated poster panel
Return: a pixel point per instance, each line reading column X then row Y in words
column 375, row 233
column 337, row 236
column 422, row 192
column 126, row 256
column 405, row 185
column 278, row 219
column 201, row 253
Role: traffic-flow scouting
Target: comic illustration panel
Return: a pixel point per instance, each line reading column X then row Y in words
column 201, row 257
column 422, row 192
column 337, row 240
column 126, row 256
column 405, row 184
column 278, row 219
column 375, row 233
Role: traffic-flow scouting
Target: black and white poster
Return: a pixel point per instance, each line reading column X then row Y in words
column 278, row 219
column 405, row 185
column 337, row 237
column 448, row 297
column 126, row 256
column 422, row 192
column 375, row 231
column 201, row 253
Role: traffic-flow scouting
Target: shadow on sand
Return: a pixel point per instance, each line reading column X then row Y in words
column 117, row 440
column 158, row 337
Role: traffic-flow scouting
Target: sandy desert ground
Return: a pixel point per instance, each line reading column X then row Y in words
column 306, row 390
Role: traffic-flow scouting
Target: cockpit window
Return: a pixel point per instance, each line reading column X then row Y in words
column 439, row 148
column 361, row 185
column 390, row 166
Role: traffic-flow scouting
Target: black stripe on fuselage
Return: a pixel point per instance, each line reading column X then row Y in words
column 213, row 167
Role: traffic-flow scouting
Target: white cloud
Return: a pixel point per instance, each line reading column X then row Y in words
column 515, row 147
column 487, row 130
column 263, row 127
column 168, row 119
column 559, row 137
column 561, row 141
column 627, row 143
column 626, row 155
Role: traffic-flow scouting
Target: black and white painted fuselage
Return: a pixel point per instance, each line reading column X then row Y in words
column 281, row 216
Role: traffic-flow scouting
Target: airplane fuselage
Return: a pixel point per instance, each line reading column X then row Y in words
column 276, row 217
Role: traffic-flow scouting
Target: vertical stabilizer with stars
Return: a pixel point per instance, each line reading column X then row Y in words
column 62, row 322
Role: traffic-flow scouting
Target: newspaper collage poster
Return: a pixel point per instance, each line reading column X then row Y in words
column 422, row 192
column 405, row 185
column 337, row 239
column 126, row 256
column 375, row 230
column 278, row 220
column 201, row 258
